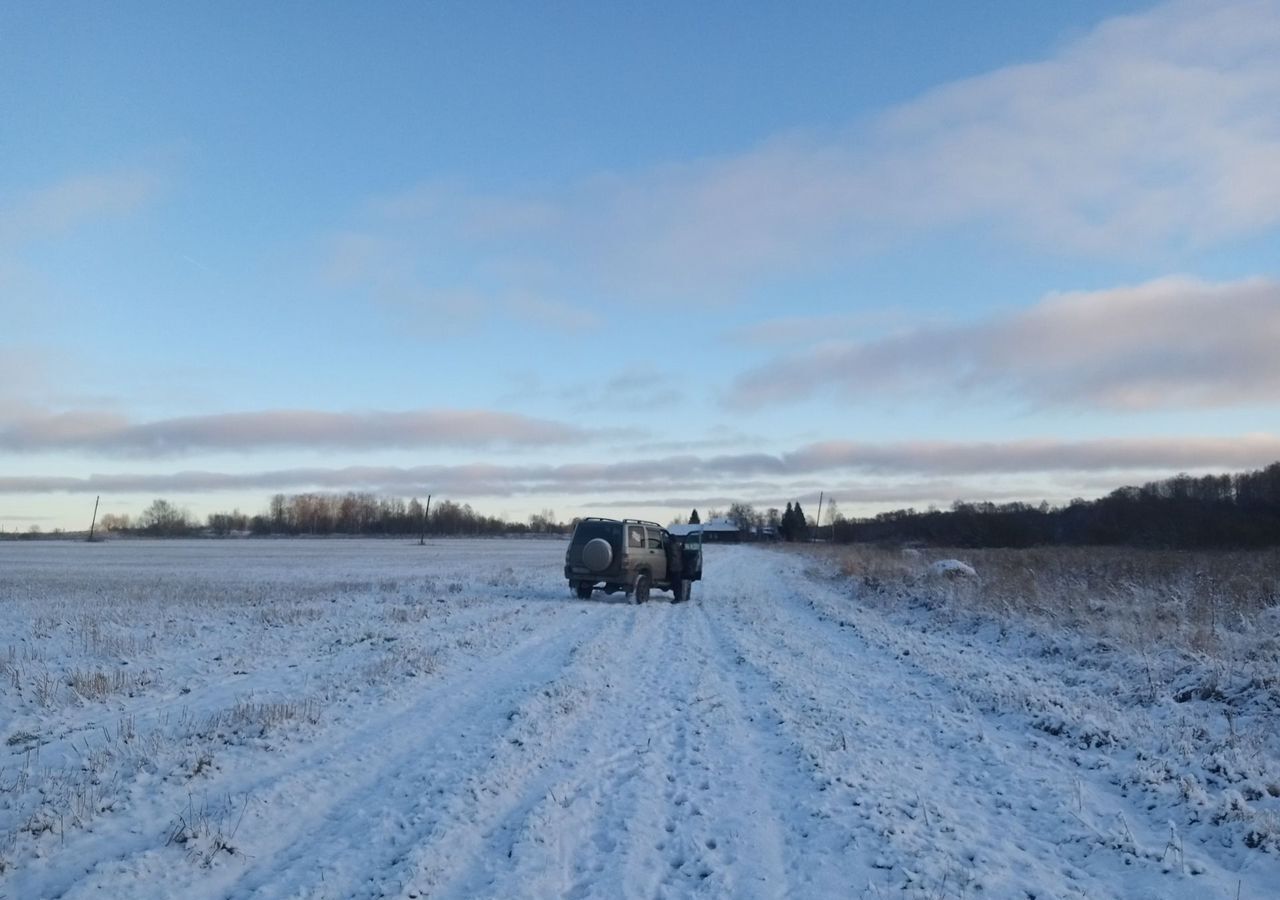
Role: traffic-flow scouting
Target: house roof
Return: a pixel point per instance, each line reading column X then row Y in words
column 718, row 525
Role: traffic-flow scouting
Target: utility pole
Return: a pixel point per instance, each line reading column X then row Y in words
column 95, row 517
column 817, row 523
column 426, row 514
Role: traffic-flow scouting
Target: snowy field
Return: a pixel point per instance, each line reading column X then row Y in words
column 352, row 719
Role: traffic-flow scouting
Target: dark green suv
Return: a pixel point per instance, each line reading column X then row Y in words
column 632, row 556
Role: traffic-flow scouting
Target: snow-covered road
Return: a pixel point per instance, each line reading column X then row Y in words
column 774, row 738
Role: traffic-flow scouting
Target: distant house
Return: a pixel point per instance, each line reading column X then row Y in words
column 714, row 531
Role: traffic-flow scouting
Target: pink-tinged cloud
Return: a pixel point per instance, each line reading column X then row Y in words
column 1174, row 343
column 878, row 493
column 1039, row 456
column 283, row 429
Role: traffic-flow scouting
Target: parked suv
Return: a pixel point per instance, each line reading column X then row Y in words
column 632, row 556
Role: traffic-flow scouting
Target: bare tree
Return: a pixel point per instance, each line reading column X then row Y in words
column 114, row 522
column 163, row 519
column 744, row 516
column 543, row 522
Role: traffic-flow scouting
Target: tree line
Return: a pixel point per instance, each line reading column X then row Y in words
column 1206, row 512
column 352, row 513
column 1184, row 512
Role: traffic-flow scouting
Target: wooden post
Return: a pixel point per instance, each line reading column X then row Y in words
column 426, row 514
column 95, row 517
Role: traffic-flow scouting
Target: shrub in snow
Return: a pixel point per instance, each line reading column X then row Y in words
column 952, row 568
column 1269, row 620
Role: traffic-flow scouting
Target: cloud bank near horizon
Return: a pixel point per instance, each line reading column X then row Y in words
column 746, row 474
column 116, row 435
column 1172, row 343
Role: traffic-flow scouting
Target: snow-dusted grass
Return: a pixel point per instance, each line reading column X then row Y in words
column 127, row 662
column 1178, row 653
column 1224, row 605
column 358, row 719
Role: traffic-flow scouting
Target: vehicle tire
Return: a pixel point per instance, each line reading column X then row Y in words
column 583, row 589
column 597, row 554
column 642, row 588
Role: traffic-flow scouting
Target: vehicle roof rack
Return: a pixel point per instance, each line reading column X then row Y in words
column 624, row 521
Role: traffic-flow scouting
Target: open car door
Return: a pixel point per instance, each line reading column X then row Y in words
column 691, row 555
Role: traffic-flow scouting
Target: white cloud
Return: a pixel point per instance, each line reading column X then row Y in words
column 27, row 292
column 1155, row 128
column 1149, row 134
column 555, row 315
column 1170, row 343
column 68, row 204
column 418, row 276
column 809, row 329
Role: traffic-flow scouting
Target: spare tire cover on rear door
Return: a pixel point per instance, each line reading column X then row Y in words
column 597, row 554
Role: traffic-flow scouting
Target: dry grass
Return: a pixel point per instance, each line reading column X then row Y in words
column 1198, row 601
column 98, row 684
column 1160, row 628
column 106, row 638
column 270, row 715
column 282, row 616
column 207, row 829
column 408, row 661
column 407, row 615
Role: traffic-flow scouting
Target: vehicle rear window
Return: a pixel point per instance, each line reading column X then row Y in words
column 586, row 531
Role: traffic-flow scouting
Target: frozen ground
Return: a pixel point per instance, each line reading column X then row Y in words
column 377, row 719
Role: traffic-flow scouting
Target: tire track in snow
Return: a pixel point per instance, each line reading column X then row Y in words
column 646, row 805
column 660, row 859
column 166, row 716
column 332, row 819
column 287, row 676
column 564, row 830
column 875, row 740
column 974, row 769
column 120, row 854
column 669, row 794
column 814, row 846
column 724, row 815
column 944, row 799
column 442, row 784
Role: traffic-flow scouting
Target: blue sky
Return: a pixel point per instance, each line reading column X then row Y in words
column 610, row 258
